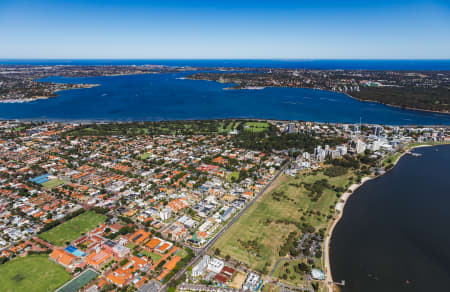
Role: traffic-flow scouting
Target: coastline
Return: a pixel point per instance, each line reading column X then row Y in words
column 237, row 87
column 400, row 107
column 34, row 98
column 341, row 205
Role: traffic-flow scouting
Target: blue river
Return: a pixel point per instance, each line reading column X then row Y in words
column 166, row 96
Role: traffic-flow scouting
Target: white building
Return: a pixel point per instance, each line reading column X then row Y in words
column 342, row 149
column 201, row 266
column 165, row 213
column 360, row 146
column 252, row 282
column 215, row 265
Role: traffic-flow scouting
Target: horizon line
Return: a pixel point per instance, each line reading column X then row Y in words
column 256, row 59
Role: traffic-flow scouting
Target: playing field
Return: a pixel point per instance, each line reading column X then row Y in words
column 53, row 183
column 257, row 236
column 72, row 229
column 32, row 273
column 154, row 256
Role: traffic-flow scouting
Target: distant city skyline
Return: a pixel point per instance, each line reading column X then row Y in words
column 232, row 29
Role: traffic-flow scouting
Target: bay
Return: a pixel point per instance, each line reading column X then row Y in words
column 165, row 96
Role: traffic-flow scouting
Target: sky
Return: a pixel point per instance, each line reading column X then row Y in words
column 225, row 29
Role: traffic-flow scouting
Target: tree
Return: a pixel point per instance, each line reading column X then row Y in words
column 243, row 174
column 304, row 267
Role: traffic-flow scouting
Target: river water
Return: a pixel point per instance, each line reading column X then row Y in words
column 156, row 97
column 394, row 233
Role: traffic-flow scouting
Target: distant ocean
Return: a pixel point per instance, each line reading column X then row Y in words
column 153, row 97
column 425, row 65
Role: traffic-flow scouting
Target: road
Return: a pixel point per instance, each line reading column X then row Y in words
column 203, row 250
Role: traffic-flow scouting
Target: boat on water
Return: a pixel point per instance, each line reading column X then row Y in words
column 414, row 154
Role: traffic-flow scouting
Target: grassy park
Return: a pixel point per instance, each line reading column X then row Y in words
column 32, row 273
column 228, row 126
column 234, row 175
column 256, row 127
column 288, row 272
column 72, row 229
column 257, row 236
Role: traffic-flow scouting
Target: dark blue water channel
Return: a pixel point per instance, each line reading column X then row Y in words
column 394, row 234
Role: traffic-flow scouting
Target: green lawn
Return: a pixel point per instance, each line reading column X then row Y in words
column 228, row 127
column 155, row 257
column 265, row 221
column 72, row 229
column 234, row 174
column 145, row 155
column 286, row 272
column 131, row 245
column 392, row 159
column 53, row 183
column 182, row 253
column 271, row 288
column 256, row 126
column 18, row 129
column 32, row 273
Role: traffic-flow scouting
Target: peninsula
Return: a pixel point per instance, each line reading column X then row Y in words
column 18, row 82
column 420, row 90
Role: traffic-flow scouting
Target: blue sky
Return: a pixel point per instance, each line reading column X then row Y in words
column 226, row 29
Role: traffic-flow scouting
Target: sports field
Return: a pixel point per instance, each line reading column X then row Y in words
column 72, row 229
column 32, row 273
column 257, row 236
column 53, row 183
column 154, row 256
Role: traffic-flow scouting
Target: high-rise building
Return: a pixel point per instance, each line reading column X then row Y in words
column 291, row 128
column 360, row 146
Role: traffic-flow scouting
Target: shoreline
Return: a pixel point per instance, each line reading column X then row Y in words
column 341, row 205
column 397, row 106
column 34, row 98
column 237, row 87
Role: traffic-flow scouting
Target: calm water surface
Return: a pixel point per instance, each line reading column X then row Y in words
column 395, row 229
column 166, row 97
